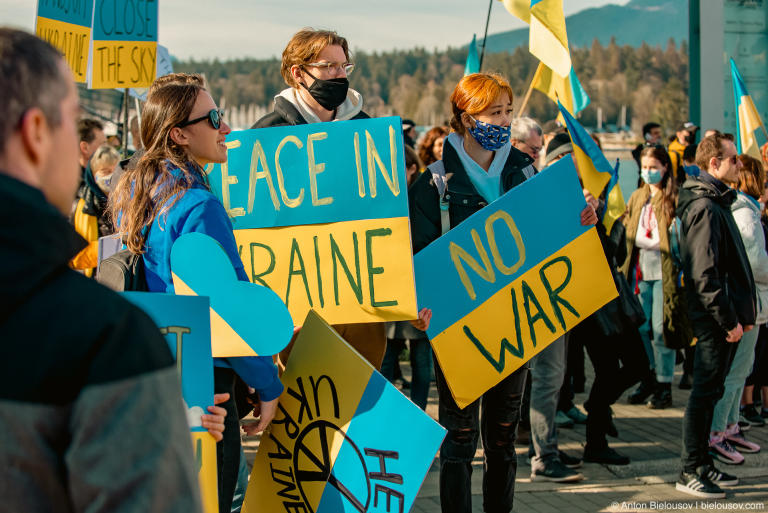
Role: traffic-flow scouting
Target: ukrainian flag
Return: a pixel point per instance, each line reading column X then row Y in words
column 473, row 62
column 614, row 203
column 594, row 168
column 548, row 40
column 568, row 90
column 747, row 118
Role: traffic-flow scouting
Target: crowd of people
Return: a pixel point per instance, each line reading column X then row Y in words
column 688, row 258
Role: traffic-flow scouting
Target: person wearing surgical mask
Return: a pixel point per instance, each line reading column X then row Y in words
column 650, row 265
column 316, row 66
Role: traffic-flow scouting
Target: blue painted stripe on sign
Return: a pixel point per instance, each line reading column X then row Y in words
column 125, row 20
column 77, row 12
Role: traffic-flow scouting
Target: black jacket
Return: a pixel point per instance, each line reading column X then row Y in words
column 462, row 197
column 719, row 279
column 285, row 114
column 95, row 202
column 84, row 377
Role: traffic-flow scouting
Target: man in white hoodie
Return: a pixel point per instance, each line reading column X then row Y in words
column 315, row 66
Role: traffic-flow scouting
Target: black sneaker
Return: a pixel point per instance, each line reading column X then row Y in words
column 662, row 397
column 750, row 414
column 641, row 393
column 718, row 477
column 555, row 472
column 606, row 456
column 698, row 486
column 569, row 461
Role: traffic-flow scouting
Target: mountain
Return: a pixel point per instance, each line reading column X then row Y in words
column 652, row 21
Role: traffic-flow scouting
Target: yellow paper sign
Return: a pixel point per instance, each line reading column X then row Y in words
column 352, row 271
column 123, row 64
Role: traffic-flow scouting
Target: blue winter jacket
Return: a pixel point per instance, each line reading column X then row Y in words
column 198, row 210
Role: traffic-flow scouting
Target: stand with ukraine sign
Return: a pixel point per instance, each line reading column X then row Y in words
column 320, row 213
column 510, row 280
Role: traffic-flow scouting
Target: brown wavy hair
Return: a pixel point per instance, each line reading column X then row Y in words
column 668, row 183
column 751, row 177
column 142, row 192
column 305, row 46
column 425, row 148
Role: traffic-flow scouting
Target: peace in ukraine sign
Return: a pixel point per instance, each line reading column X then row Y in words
column 510, row 280
column 320, row 213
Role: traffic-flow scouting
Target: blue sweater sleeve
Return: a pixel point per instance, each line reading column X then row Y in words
column 210, row 218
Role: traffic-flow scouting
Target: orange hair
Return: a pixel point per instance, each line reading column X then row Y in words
column 474, row 93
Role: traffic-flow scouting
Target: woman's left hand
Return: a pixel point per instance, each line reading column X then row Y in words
column 589, row 214
column 214, row 422
column 422, row 323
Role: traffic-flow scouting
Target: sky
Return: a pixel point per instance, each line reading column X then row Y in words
column 260, row 28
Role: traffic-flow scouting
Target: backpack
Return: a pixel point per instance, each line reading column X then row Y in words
column 122, row 272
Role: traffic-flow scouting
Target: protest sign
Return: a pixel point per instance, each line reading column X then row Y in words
column 67, row 26
column 246, row 319
column 164, row 67
column 124, row 44
column 184, row 322
column 320, row 213
column 510, row 280
column 344, row 439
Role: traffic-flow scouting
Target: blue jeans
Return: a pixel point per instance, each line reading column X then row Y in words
column 421, row 367
column 661, row 357
column 727, row 408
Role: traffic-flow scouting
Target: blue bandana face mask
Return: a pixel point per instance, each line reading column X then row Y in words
column 651, row 176
column 491, row 137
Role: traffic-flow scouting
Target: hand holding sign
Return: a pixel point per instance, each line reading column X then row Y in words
column 246, row 319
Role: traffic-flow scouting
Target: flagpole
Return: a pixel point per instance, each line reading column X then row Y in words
column 528, row 93
column 485, row 37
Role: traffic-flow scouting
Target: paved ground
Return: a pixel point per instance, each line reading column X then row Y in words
column 651, row 438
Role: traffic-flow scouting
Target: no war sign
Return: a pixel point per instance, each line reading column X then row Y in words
column 510, row 280
column 320, row 213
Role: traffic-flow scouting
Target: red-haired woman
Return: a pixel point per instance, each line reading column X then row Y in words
column 482, row 165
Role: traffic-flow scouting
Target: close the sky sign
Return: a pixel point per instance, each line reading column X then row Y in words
column 510, row 280
column 320, row 213
column 124, row 47
column 67, row 26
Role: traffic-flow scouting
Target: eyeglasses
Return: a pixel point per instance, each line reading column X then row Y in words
column 214, row 117
column 337, row 67
column 734, row 159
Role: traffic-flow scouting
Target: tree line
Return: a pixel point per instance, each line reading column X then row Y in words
column 651, row 81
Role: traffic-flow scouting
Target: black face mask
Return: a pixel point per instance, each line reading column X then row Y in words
column 328, row 93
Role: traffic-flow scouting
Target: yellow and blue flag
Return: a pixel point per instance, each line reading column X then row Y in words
column 594, row 168
column 568, row 89
column 614, row 200
column 548, row 40
column 747, row 118
column 473, row 61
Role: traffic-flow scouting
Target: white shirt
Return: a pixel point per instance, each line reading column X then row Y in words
column 647, row 240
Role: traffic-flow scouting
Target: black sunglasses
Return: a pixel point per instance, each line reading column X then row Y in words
column 214, row 117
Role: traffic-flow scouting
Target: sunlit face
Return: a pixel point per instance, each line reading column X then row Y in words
column 531, row 146
column 726, row 168
column 204, row 143
column 499, row 112
column 437, row 147
column 331, row 53
column 87, row 149
column 61, row 170
column 654, row 135
column 648, row 163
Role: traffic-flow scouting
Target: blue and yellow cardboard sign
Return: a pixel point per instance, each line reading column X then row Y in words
column 124, row 44
column 246, row 319
column 510, row 280
column 67, row 26
column 184, row 322
column 320, row 213
column 337, row 443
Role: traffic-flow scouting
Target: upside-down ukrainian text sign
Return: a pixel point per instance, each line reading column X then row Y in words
column 510, row 280
column 320, row 213
column 344, row 439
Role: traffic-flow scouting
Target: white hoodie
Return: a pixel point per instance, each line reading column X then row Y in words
column 347, row 110
column 746, row 213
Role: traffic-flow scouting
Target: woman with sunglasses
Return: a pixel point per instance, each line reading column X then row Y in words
column 315, row 66
column 167, row 195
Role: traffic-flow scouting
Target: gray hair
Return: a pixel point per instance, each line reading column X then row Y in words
column 30, row 76
column 522, row 127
